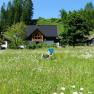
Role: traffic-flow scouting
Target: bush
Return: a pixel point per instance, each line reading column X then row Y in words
column 15, row 34
column 12, row 45
column 30, row 46
column 37, row 46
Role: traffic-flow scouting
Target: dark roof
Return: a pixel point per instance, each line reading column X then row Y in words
column 47, row 30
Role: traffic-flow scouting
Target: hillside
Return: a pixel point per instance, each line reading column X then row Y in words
column 52, row 21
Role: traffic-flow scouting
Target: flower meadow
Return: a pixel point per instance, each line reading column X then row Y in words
column 72, row 91
column 68, row 71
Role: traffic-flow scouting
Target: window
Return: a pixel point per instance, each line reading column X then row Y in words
column 37, row 36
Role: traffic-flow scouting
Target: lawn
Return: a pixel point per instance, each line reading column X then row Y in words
column 26, row 72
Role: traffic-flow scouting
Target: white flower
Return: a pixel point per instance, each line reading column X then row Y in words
column 89, row 92
column 63, row 88
column 61, row 93
column 54, row 93
column 73, row 86
column 75, row 92
column 86, row 55
column 80, row 92
column 81, row 89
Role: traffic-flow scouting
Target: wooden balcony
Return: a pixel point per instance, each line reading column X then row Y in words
column 37, row 37
column 37, row 40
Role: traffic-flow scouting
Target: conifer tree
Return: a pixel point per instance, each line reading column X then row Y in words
column 27, row 11
column 3, row 17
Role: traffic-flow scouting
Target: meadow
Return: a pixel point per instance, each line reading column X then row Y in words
column 26, row 72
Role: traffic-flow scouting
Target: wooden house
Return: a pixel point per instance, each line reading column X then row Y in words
column 41, row 33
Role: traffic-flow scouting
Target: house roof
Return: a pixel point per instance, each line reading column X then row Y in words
column 47, row 30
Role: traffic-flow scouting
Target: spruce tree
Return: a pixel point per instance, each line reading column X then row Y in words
column 27, row 11
column 10, row 13
column 3, row 17
column 89, row 6
column 17, row 4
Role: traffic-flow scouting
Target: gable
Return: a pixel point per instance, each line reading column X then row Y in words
column 37, row 32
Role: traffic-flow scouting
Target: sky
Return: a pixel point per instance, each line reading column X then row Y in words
column 51, row 8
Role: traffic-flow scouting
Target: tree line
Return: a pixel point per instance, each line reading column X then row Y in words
column 77, row 25
column 15, row 11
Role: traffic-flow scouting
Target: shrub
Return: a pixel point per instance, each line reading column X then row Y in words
column 30, row 45
column 39, row 45
column 15, row 34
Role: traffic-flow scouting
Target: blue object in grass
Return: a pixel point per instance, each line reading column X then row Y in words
column 50, row 51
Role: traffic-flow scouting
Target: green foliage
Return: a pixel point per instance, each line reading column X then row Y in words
column 30, row 46
column 15, row 34
column 17, row 5
column 63, row 14
column 16, row 11
column 89, row 6
column 77, row 24
column 3, row 18
column 27, row 11
column 89, row 16
column 10, row 14
column 38, row 45
column 53, row 21
column 76, row 28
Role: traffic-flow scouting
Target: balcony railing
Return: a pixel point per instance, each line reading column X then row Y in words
column 39, row 40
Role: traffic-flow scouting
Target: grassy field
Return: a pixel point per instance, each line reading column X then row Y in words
column 60, row 26
column 26, row 72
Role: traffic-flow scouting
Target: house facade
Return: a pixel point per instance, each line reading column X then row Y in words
column 41, row 33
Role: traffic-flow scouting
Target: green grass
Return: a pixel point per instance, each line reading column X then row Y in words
column 25, row 72
column 60, row 26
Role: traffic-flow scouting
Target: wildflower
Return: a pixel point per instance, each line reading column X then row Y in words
column 89, row 92
column 86, row 55
column 81, row 89
column 17, row 90
column 80, row 92
column 73, row 86
column 75, row 92
column 61, row 93
column 54, row 93
column 63, row 88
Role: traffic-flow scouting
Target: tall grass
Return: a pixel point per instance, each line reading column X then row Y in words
column 26, row 72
